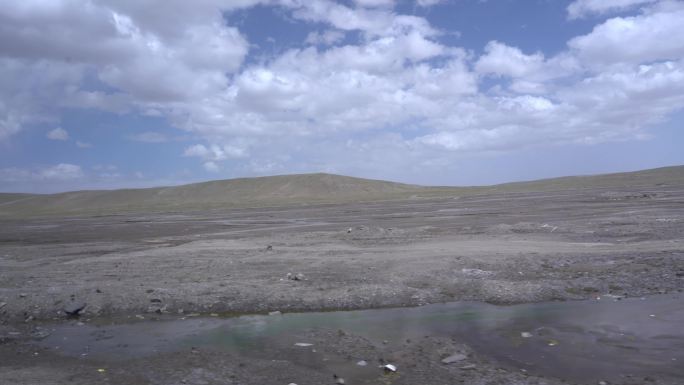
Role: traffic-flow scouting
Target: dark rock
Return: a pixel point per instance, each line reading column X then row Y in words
column 156, row 300
column 73, row 309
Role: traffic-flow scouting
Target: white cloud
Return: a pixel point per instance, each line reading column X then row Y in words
column 328, row 37
column 80, row 144
column 62, row 171
column 413, row 99
column 632, row 40
column 211, row 166
column 215, row 152
column 428, row 3
column 58, row 134
column 584, row 8
column 58, row 172
column 501, row 59
column 375, row 3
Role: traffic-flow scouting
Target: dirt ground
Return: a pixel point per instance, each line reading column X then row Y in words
column 503, row 249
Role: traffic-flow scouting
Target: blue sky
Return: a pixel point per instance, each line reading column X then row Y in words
column 112, row 94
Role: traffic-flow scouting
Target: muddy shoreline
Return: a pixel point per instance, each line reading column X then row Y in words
column 498, row 248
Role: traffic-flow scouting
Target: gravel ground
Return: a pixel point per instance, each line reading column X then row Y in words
column 503, row 249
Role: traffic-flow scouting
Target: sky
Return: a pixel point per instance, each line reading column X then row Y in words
column 100, row 94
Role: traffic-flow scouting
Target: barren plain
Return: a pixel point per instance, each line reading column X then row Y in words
column 500, row 246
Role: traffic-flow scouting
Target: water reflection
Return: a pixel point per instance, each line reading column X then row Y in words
column 573, row 340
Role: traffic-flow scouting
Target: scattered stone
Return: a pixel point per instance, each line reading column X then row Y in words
column 362, row 363
column 295, row 277
column 468, row 367
column 389, row 368
column 277, row 312
column 602, row 383
column 3, row 304
column 454, row 358
column 303, row 344
column 73, row 309
column 40, row 333
column 269, row 248
column 349, row 230
column 552, row 342
column 526, row 335
column 98, row 291
column 338, row 380
column 22, row 295
column 156, row 300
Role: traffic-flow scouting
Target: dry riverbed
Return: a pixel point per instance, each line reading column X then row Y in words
column 501, row 249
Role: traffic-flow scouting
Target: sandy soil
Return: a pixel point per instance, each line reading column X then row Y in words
column 507, row 248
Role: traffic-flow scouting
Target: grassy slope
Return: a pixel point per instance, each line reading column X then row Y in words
column 294, row 189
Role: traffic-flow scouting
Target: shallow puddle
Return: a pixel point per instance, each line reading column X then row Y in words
column 582, row 341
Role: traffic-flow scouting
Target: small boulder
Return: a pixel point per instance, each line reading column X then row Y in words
column 73, row 309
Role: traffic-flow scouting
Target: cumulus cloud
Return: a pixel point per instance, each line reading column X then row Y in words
column 375, row 3
column 632, row 40
column 393, row 90
column 58, row 134
column 584, row 8
column 328, row 37
column 428, row 3
column 58, row 172
column 501, row 59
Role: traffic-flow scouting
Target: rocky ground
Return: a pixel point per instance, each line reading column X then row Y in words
column 506, row 248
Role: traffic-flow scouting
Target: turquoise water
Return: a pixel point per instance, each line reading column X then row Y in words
column 578, row 340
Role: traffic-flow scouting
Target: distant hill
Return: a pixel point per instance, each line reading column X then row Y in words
column 294, row 189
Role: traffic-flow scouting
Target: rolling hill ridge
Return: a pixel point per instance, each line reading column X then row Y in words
column 295, row 189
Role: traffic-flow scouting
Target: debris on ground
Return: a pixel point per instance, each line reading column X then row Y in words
column 526, row 335
column 338, row 380
column 295, row 277
column 362, row 363
column 389, row 368
column 303, row 344
column 454, row 358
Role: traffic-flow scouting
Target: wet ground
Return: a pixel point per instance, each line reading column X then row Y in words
column 499, row 249
column 605, row 339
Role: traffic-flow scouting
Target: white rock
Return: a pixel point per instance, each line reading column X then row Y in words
column 454, row 358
